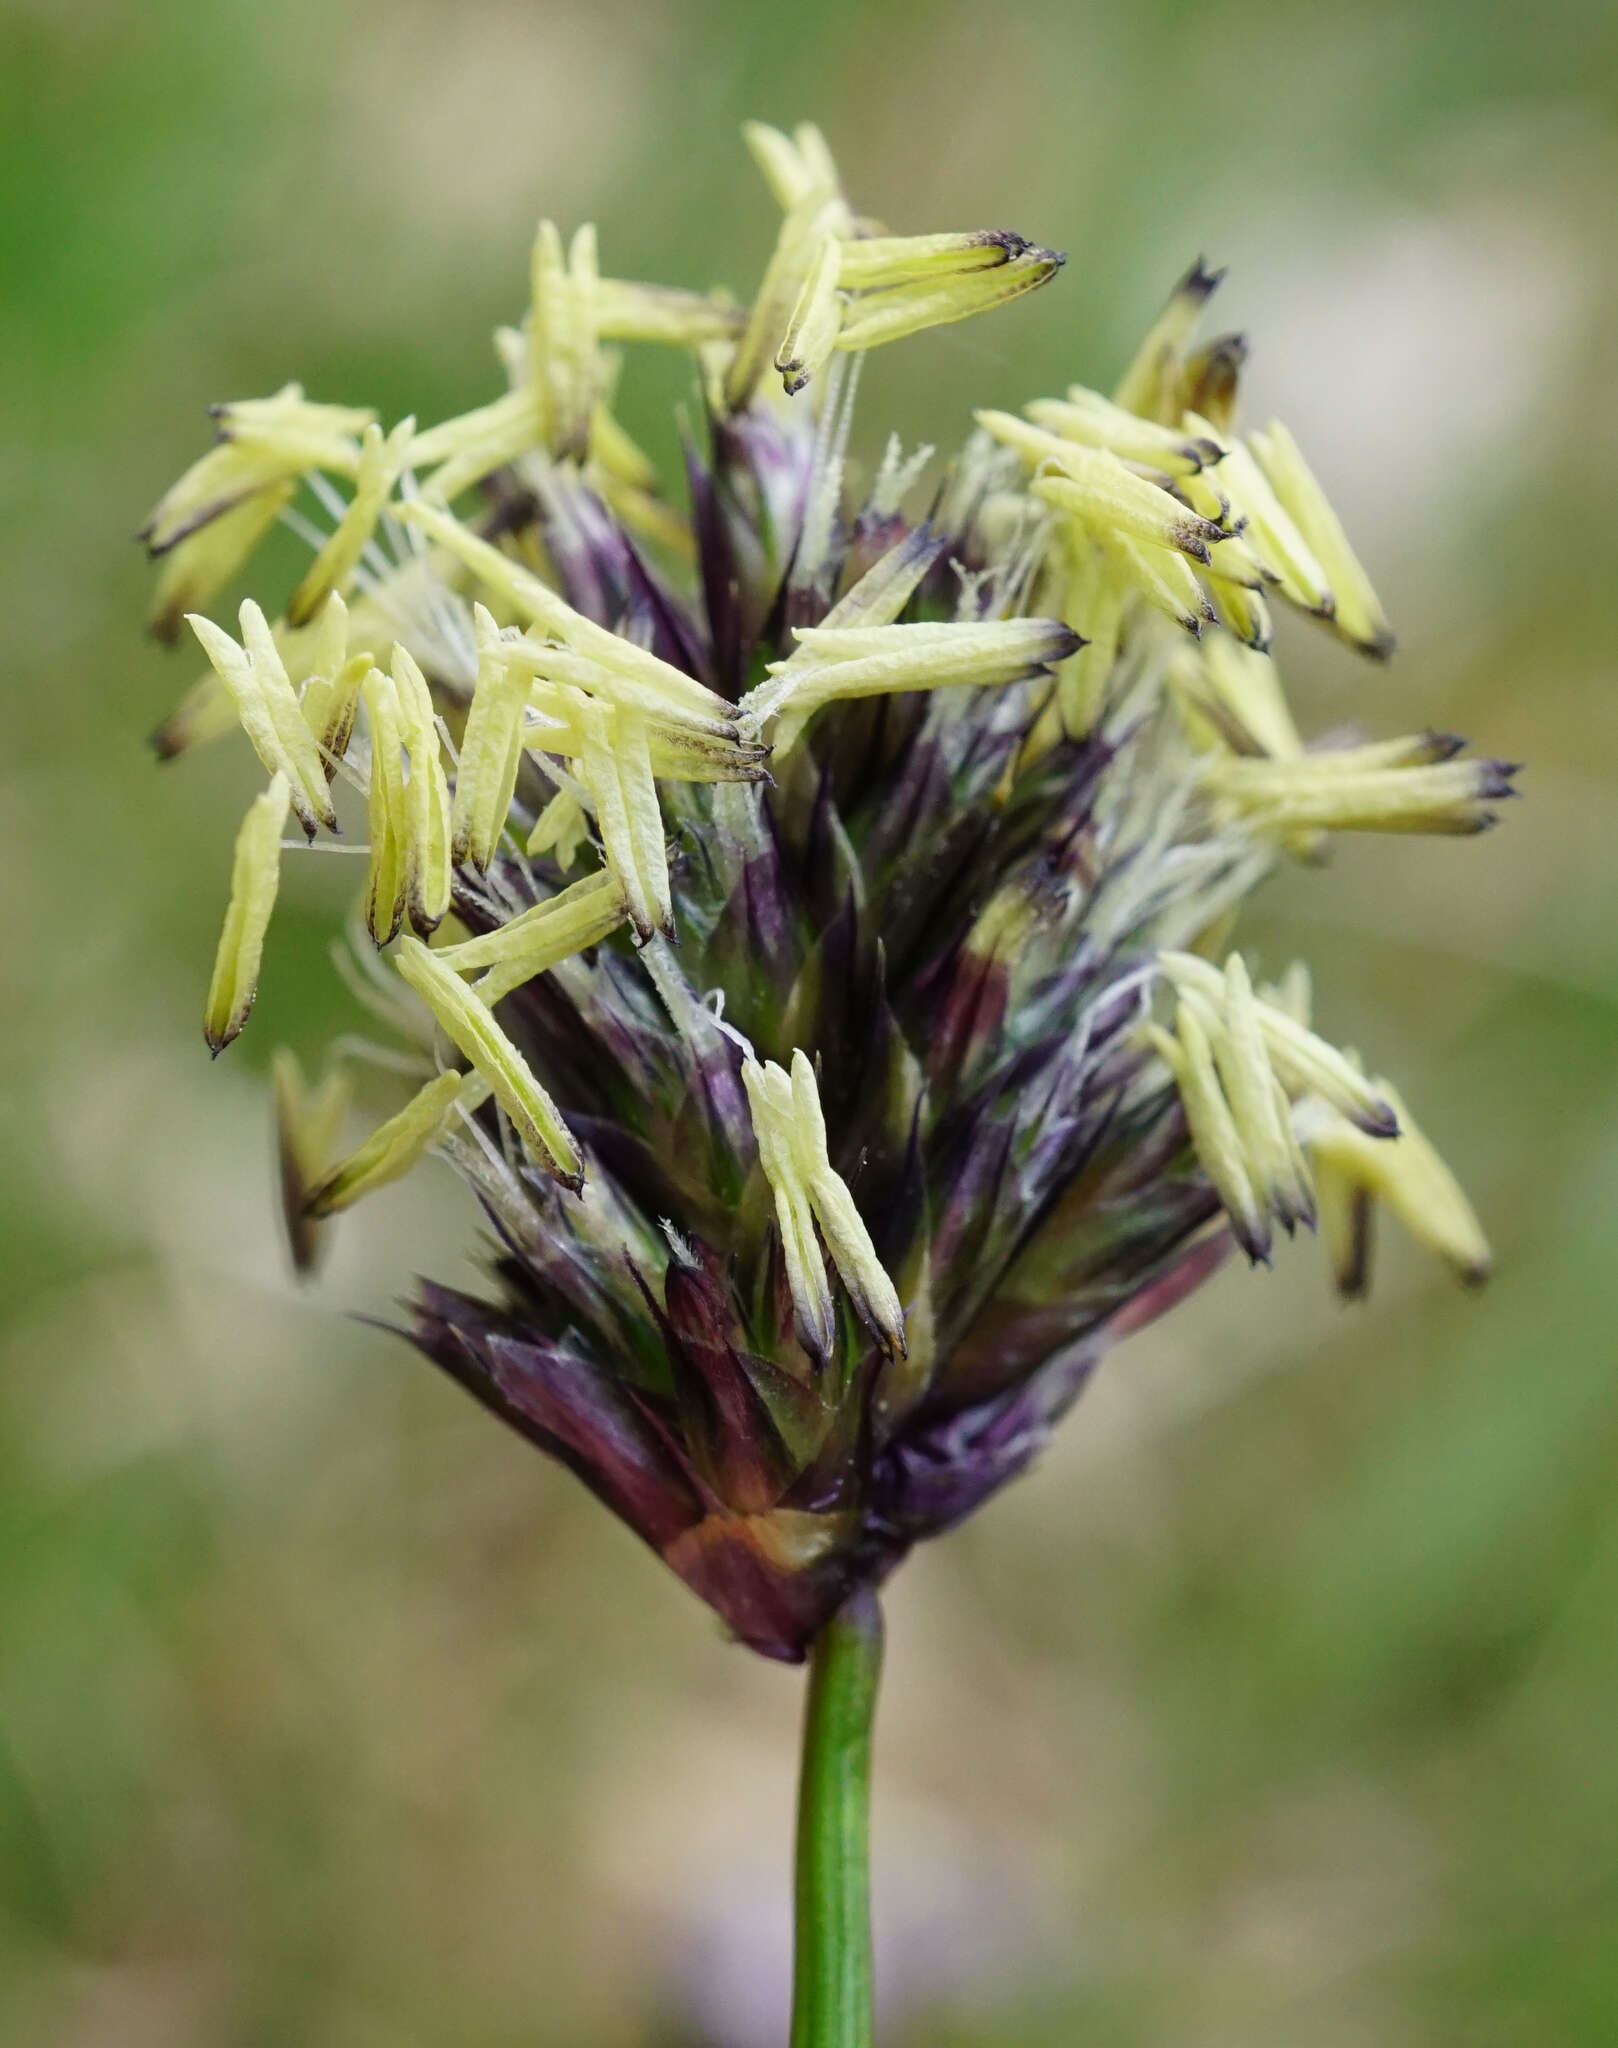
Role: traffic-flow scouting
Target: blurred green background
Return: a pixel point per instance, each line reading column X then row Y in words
column 1278, row 1706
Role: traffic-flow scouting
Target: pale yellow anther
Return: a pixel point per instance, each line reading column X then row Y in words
column 1212, row 1125
column 565, row 369
column 392, row 855
column 1270, row 532
column 381, row 460
column 1242, row 611
column 260, row 444
column 1165, row 579
column 1402, row 785
column 255, row 876
column 812, row 329
column 874, row 262
column 1352, row 1171
column 267, row 706
column 561, row 830
column 1095, row 591
column 308, row 1124
column 1238, row 692
column 1358, row 613
column 796, row 167
column 1258, row 1105
column 670, row 688
column 1094, row 485
column 395, row 1146
column 1152, row 385
column 427, row 811
column 468, row 1022
column 196, row 567
column 872, row 319
column 538, row 939
column 460, row 452
column 1096, row 422
column 663, row 313
column 331, row 694
column 491, row 748
column 790, row 1130
column 804, row 178
column 832, row 662
column 1304, row 1062
column 615, row 766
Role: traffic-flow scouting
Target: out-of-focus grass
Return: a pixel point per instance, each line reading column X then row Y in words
column 1276, row 1707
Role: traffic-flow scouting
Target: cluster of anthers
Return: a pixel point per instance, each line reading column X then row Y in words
column 832, row 865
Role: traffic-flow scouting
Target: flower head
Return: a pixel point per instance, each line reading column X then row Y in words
column 805, row 908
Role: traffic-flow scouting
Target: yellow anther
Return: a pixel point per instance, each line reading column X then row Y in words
column 255, row 876
column 1153, row 383
column 565, row 369
column 308, row 1124
column 196, row 567
column 560, row 830
column 1358, row 612
column 491, row 749
column 1303, row 1062
column 468, row 1022
column 426, row 796
column 871, row 320
column 1407, row 785
column 791, row 1134
column 381, row 460
column 811, row 331
column 1352, row 1172
column 331, row 695
column 267, row 706
column 538, row 939
column 395, row 1146
column 1086, row 417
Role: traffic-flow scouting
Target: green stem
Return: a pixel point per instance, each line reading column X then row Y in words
column 831, row 1975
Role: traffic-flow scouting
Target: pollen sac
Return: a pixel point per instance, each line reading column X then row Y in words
column 1095, row 485
column 1356, row 611
column 843, row 662
column 1233, row 694
column 815, row 322
column 196, row 567
column 931, row 301
column 538, row 939
column 395, row 1146
column 255, row 878
column 308, row 1124
column 564, row 359
column 560, row 830
column 1090, row 420
column 1154, row 385
column 1353, row 1173
column 1236, row 1109
column 267, row 706
column 491, row 750
column 465, row 1019
column 829, row 286
column 801, row 174
column 1304, row 1063
column 790, row 1131
column 392, row 852
column 1405, row 785
column 260, row 444
column 331, row 695
column 378, row 470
